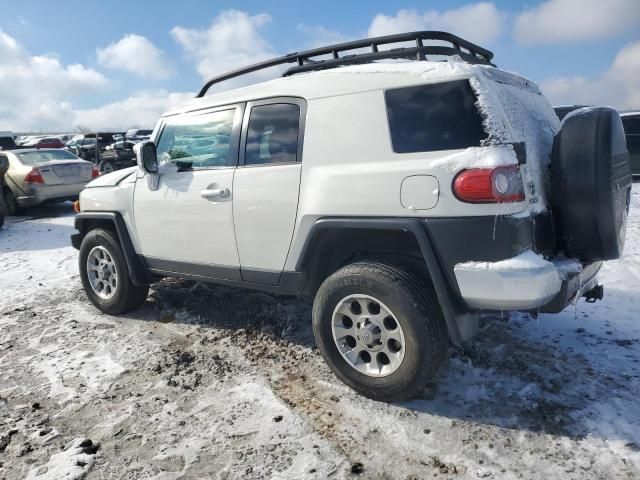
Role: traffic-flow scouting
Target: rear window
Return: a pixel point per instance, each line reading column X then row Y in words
column 33, row 158
column 440, row 116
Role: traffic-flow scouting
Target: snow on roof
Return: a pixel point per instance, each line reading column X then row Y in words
column 342, row 80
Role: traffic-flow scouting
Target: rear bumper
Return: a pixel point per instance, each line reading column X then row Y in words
column 515, row 284
column 36, row 194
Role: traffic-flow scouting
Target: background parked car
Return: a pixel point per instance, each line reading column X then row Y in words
column 84, row 146
column 117, row 156
column 631, row 124
column 43, row 175
column 4, row 166
column 564, row 110
column 6, row 141
column 47, row 142
column 138, row 134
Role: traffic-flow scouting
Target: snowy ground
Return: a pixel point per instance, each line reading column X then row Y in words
column 214, row 382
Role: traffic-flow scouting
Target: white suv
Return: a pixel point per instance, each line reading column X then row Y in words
column 405, row 197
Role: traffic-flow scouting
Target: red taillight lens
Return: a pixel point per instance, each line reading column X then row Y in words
column 489, row 185
column 34, row 176
column 95, row 172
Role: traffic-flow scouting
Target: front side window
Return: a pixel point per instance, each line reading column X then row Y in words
column 201, row 141
column 272, row 136
column 441, row 116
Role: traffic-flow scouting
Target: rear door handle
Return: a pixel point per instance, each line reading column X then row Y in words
column 215, row 193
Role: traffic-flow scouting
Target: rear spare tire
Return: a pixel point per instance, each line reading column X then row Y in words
column 591, row 184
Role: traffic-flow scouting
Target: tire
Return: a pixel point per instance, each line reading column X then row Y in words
column 10, row 202
column 412, row 305
column 125, row 296
column 107, row 167
column 591, row 185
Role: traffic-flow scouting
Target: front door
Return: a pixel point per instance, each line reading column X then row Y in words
column 184, row 215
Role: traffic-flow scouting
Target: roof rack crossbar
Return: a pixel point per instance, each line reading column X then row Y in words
column 304, row 60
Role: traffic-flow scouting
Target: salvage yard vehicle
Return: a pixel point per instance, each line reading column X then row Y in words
column 46, row 142
column 38, row 176
column 631, row 124
column 406, row 198
column 4, row 166
column 117, row 156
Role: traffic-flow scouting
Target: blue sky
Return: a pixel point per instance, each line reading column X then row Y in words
column 109, row 60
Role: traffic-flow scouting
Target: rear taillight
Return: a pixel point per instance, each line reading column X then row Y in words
column 95, row 172
column 489, row 185
column 34, row 176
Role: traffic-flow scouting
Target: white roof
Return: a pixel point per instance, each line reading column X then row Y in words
column 340, row 81
column 630, row 113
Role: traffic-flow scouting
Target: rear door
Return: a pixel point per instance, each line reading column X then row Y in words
column 266, row 186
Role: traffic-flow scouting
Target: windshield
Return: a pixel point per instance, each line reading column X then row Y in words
column 33, row 158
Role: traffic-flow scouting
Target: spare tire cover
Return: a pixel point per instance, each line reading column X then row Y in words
column 591, row 184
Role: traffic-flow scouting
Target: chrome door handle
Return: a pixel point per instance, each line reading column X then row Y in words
column 215, row 193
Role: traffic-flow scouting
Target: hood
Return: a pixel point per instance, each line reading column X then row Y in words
column 112, row 179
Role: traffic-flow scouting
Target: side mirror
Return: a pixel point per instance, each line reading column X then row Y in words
column 146, row 156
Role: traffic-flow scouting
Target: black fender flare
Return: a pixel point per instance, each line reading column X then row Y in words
column 136, row 267
column 453, row 308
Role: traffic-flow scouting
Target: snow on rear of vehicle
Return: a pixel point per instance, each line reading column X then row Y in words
column 515, row 111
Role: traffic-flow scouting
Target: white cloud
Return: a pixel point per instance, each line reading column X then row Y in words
column 319, row 36
column 232, row 40
column 477, row 22
column 618, row 86
column 36, row 90
column 39, row 93
column 576, row 20
column 139, row 110
column 134, row 54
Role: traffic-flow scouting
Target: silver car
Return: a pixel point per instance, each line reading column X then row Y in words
column 38, row 176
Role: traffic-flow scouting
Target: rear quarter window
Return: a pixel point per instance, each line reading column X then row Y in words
column 440, row 116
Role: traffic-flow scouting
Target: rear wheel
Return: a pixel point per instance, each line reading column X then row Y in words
column 380, row 330
column 104, row 274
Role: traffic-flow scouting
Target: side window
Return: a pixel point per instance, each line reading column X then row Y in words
column 272, row 136
column 201, row 141
column 441, row 116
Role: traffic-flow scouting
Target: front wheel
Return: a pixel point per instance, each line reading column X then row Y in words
column 380, row 329
column 104, row 274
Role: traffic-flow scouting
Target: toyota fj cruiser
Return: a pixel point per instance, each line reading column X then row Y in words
column 406, row 197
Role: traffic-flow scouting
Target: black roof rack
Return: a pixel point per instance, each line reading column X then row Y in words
column 467, row 51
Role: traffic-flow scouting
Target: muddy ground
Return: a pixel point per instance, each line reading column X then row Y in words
column 215, row 382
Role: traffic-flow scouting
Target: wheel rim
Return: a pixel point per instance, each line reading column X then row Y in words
column 368, row 335
column 108, row 168
column 102, row 273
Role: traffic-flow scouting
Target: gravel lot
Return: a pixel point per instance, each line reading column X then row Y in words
column 215, row 382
